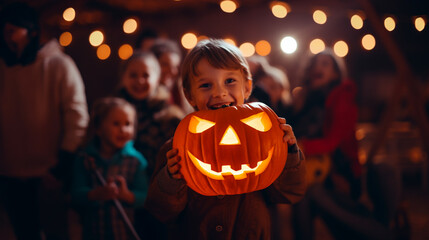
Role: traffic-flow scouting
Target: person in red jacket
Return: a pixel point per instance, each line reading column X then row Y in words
column 324, row 121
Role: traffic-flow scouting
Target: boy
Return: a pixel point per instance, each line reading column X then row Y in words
column 216, row 75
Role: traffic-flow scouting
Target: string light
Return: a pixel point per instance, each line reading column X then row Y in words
column 263, row 48
column 389, row 24
column 69, row 14
column 65, row 39
column 368, row 42
column 96, row 38
column 279, row 9
column 228, row 6
column 125, row 51
column 288, row 45
column 130, row 25
column 247, row 49
column 419, row 23
column 317, row 45
column 319, row 17
column 189, row 40
column 103, row 52
column 356, row 21
column 341, row 49
column 230, row 41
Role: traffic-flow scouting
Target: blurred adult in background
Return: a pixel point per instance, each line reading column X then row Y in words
column 146, row 39
column 43, row 117
column 169, row 56
column 324, row 122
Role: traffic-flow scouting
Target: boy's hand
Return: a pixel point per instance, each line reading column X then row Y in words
column 289, row 136
column 173, row 165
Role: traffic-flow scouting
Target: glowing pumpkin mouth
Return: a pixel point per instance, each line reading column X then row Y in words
column 205, row 168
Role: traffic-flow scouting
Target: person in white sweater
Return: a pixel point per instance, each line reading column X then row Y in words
column 43, row 117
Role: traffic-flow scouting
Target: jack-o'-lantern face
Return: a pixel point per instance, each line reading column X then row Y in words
column 232, row 150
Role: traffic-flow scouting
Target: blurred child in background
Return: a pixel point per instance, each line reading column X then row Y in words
column 109, row 150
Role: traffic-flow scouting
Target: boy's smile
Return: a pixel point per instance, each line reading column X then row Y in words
column 215, row 88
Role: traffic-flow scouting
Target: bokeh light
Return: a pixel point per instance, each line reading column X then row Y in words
column 69, row 14
column 419, row 23
column 130, row 25
column 189, row 40
column 230, row 41
column 103, row 52
column 125, row 51
column 228, row 6
column 356, row 21
column 263, row 48
column 389, row 24
column 317, row 45
column 368, row 42
column 288, row 45
column 65, row 39
column 247, row 49
column 341, row 49
column 279, row 9
column 96, row 38
column 319, row 17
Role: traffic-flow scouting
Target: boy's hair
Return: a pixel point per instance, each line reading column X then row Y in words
column 99, row 111
column 219, row 54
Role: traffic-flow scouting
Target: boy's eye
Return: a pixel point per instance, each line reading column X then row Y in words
column 204, row 85
column 229, row 80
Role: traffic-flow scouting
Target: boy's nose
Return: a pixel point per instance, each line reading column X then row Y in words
column 219, row 91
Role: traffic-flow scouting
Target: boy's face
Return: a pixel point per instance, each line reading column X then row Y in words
column 117, row 129
column 215, row 88
column 139, row 79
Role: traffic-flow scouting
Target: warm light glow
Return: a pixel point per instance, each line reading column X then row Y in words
column 230, row 41
column 199, row 125
column 341, row 49
column 360, row 134
column 288, row 45
column 69, row 14
column 130, row 26
column 368, row 42
column 279, row 9
column 65, row 39
column 230, row 137
column 96, row 38
column 247, row 49
column 103, row 52
column 228, row 6
column 206, row 168
column 125, row 51
column 389, row 24
column 319, row 17
column 317, row 45
column 260, row 121
column 189, row 40
column 202, row 37
column 263, row 48
column 356, row 21
column 419, row 23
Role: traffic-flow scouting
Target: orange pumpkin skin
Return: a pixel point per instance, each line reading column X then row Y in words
column 234, row 167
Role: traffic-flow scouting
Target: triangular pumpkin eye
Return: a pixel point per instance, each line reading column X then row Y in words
column 199, row 125
column 260, row 121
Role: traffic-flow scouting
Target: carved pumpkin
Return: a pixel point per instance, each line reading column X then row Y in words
column 232, row 150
